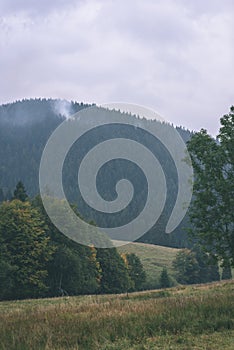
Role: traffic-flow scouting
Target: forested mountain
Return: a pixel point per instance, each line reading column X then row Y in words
column 25, row 127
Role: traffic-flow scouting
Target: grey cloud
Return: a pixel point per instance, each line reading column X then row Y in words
column 174, row 56
column 200, row 7
column 33, row 7
column 157, row 22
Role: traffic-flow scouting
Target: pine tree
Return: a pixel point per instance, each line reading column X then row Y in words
column 20, row 192
column 135, row 271
column 164, row 279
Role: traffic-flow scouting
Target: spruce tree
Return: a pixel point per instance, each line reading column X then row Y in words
column 20, row 192
column 135, row 270
column 164, row 279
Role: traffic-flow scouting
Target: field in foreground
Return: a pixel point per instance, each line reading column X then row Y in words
column 192, row 317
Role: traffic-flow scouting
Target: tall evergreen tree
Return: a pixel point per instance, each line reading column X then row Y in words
column 135, row 270
column 20, row 192
column 164, row 279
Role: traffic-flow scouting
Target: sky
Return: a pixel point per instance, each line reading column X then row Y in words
column 174, row 56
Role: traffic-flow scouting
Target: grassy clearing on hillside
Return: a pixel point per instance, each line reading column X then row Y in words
column 192, row 317
column 153, row 258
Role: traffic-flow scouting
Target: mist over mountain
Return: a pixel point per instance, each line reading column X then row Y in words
column 32, row 111
column 25, row 127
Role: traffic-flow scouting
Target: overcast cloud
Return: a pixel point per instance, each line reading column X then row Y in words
column 176, row 57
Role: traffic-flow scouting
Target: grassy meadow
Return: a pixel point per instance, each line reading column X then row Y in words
column 191, row 317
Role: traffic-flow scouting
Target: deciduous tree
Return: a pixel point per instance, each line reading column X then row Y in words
column 212, row 210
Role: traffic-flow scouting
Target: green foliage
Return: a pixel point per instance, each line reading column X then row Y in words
column 25, row 249
column 74, row 267
column 7, row 275
column 186, row 267
column 20, row 192
column 195, row 266
column 164, row 279
column 114, row 275
column 226, row 272
column 208, row 266
column 211, row 211
column 135, row 271
column 65, row 272
column 37, row 260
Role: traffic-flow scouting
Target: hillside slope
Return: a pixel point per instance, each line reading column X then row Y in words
column 153, row 258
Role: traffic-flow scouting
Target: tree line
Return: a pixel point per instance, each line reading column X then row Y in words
column 192, row 266
column 36, row 260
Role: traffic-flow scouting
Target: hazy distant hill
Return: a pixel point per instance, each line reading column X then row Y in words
column 25, row 127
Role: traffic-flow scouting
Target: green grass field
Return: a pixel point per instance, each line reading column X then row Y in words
column 153, row 258
column 191, row 317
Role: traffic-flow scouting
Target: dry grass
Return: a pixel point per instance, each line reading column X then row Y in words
column 147, row 320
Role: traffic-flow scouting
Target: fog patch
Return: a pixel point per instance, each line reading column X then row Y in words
column 63, row 108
